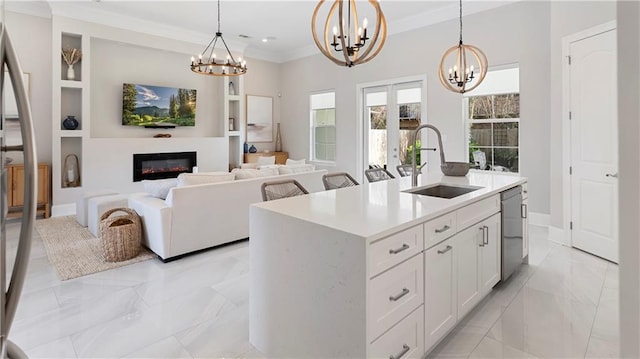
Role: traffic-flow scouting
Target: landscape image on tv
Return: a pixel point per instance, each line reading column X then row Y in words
column 144, row 105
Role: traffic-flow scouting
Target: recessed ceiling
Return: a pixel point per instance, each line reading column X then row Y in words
column 286, row 21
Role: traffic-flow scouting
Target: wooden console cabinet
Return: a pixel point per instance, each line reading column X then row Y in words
column 15, row 189
column 281, row 157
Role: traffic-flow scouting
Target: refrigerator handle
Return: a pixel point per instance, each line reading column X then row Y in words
column 30, row 198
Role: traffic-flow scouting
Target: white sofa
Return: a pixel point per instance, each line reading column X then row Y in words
column 206, row 215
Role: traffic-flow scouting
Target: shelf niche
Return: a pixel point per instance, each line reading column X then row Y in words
column 71, row 41
column 70, row 146
column 71, row 105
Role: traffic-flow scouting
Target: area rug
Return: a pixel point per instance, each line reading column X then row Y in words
column 74, row 251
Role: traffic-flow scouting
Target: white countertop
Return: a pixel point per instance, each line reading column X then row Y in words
column 375, row 210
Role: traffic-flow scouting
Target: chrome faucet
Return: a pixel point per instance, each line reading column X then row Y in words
column 414, row 168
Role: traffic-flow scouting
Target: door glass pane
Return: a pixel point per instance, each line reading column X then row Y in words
column 409, row 118
column 376, row 113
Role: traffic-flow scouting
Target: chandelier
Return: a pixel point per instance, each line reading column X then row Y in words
column 348, row 43
column 463, row 73
column 223, row 67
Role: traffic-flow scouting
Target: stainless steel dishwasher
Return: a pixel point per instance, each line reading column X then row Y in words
column 511, row 202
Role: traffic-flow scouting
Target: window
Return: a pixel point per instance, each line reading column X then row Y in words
column 493, row 118
column 323, row 126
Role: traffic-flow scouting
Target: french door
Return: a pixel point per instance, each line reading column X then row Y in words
column 391, row 112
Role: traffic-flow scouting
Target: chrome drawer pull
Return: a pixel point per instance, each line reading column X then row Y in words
column 445, row 250
column 396, row 251
column 486, row 238
column 524, row 213
column 483, row 234
column 443, row 229
column 405, row 350
column 404, row 292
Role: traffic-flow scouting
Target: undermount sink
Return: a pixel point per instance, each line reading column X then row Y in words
column 443, row 191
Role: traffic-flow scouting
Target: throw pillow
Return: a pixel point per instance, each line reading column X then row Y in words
column 254, row 173
column 291, row 162
column 266, row 160
column 287, row 170
column 190, row 179
column 249, row 165
column 159, row 188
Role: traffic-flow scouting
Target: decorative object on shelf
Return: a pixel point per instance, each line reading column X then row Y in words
column 253, row 149
column 259, row 118
column 71, row 171
column 350, row 42
column 71, row 57
column 211, row 67
column 231, row 126
column 457, row 78
column 246, row 148
column 232, row 89
column 162, row 135
column 278, row 138
column 70, row 123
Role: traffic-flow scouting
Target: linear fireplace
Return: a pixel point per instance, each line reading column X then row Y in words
column 162, row 165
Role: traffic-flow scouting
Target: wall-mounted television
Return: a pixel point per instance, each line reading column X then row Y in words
column 157, row 106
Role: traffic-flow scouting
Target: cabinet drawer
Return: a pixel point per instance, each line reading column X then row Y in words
column 394, row 294
column 478, row 211
column 404, row 340
column 439, row 229
column 394, row 249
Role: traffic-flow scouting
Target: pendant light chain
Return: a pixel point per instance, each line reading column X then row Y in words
column 219, row 17
column 461, row 22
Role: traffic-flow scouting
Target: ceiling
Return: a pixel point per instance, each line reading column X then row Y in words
column 285, row 23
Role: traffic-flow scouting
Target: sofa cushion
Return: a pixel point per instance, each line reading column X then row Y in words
column 291, row 162
column 286, row 170
column 266, row 160
column 249, row 166
column 159, row 188
column 254, row 173
column 190, row 179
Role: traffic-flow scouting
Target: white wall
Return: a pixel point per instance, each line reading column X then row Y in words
column 31, row 37
column 263, row 79
column 517, row 33
column 114, row 63
column 567, row 17
column 629, row 152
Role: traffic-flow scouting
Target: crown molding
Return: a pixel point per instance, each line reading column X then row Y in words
column 33, row 8
column 443, row 14
column 108, row 18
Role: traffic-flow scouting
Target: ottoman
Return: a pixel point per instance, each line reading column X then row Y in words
column 82, row 204
column 97, row 206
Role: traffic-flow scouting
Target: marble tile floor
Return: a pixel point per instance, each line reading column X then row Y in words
column 563, row 304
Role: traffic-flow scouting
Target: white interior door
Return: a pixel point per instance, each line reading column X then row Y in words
column 594, row 145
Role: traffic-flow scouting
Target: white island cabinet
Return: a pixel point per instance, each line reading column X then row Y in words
column 372, row 271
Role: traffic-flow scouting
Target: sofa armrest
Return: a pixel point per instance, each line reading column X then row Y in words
column 156, row 223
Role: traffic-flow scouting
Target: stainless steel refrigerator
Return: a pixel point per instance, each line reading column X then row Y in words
column 12, row 285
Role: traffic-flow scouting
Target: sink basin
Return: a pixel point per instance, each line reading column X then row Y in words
column 443, row 191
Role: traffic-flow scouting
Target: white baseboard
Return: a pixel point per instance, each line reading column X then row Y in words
column 63, row 210
column 539, row 219
column 557, row 235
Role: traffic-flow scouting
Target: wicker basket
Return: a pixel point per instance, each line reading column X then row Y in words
column 120, row 235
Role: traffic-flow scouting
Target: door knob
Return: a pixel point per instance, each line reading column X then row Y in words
column 612, row 175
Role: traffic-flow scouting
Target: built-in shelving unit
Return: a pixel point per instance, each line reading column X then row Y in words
column 70, row 98
column 233, row 112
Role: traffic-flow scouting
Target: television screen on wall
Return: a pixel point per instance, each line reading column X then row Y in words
column 156, row 106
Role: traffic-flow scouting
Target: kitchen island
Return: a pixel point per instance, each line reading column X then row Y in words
column 372, row 270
